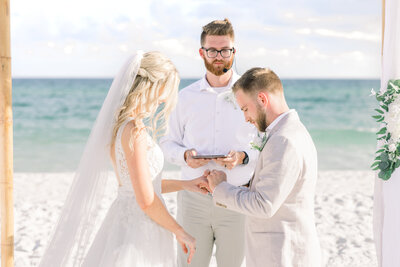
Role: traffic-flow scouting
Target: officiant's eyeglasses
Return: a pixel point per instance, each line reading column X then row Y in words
column 225, row 53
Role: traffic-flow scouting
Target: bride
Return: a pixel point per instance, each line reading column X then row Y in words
column 137, row 230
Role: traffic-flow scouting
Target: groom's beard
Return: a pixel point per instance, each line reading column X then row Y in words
column 217, row 70
column 261, row 120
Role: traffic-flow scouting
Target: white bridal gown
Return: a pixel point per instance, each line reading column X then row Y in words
column 128, row 237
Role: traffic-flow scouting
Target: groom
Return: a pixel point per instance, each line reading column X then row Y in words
column 279, row 203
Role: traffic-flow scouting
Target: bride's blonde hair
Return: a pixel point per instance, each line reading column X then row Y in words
column 157, row 79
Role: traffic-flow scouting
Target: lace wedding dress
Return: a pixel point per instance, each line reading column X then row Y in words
column 128, row 237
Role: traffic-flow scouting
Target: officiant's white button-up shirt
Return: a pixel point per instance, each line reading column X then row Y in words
column 209, row 120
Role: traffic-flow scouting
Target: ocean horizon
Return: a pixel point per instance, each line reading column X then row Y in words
column 53, row 118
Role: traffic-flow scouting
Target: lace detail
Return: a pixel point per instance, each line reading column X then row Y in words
column 155, row 159
column 128, row 237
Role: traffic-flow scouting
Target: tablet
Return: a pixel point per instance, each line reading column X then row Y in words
column 209, row 156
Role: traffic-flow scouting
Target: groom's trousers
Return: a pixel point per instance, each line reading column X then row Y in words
column 209, row 224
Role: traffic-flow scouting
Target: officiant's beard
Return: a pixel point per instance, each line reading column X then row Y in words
column 218, row 70
column 261, row 121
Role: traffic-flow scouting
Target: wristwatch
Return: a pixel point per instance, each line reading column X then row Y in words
column 245, row 159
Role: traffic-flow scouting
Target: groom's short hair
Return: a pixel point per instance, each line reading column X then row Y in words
column 217, row 27
column 258, row 79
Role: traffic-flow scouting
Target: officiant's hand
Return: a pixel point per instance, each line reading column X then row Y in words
column 214, row 178
column 233, row 159
column 194, row 163
column 187, row 242
column 199, row 185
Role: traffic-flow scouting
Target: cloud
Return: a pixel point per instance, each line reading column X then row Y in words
column 93, row 37
column 354, row 35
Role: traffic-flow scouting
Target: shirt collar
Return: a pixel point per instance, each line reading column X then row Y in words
column 205, row 86
column 280, row 117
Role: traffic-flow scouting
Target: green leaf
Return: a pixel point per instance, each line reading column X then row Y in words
column 377, row 117
column 379, row 151
column 397, row 164
column 380, row 120
column 382, row 131
column 396, row 82
column 376, row 163
column 391, row 165
column 378, row 158
column 379, row 111
column 384, row 157
column 376, row 168
column 381, row 174
column 387, row 175
column 383, row 165
column 385, row 107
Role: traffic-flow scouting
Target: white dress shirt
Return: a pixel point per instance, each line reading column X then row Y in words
column 210, row 121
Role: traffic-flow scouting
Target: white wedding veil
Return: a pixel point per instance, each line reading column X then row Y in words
column 76, row 224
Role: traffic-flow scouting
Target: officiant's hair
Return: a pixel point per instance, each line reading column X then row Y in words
column 258, row 79
column 157, row 79
column 217, row 27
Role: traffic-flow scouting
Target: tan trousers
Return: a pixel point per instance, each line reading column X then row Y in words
column 210, row 224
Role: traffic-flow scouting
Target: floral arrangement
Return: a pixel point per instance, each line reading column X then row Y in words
column 259, row 142
column 388, row 155
column 230, row 98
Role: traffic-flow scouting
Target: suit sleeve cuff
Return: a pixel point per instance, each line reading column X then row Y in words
column 223, row 193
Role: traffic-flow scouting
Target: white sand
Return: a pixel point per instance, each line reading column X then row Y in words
column 343, row 215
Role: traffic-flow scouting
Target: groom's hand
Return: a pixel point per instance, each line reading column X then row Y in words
column 199, row 185
column 233, row 159
column 214, row 178
column 194, row 163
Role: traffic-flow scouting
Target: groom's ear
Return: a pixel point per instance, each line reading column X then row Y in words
column 262, row 98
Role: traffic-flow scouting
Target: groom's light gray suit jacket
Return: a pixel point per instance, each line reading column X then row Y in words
column 279, row 204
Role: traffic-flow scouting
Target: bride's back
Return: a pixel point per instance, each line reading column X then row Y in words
column 123, row 145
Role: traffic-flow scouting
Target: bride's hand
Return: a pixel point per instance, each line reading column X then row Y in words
column 187, row 242
column 199, row 185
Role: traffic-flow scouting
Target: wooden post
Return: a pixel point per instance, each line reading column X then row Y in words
column 6, row 140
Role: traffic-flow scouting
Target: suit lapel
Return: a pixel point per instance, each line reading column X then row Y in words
column 290, row 116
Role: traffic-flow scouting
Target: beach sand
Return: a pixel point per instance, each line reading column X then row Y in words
column 343, row 215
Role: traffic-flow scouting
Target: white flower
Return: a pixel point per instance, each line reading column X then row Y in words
column 259, row 141
column 392, row 148
column 230, row 98
column 392, row 118
column 372, row 92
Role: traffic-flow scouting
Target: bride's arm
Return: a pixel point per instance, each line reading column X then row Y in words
column 142, row 184
column 196, row 185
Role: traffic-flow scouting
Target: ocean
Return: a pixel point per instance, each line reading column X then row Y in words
column 53, row 118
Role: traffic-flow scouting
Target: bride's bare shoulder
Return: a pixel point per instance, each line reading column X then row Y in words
column 133, row 134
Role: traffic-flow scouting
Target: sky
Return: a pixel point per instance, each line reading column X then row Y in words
column 295, row 38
